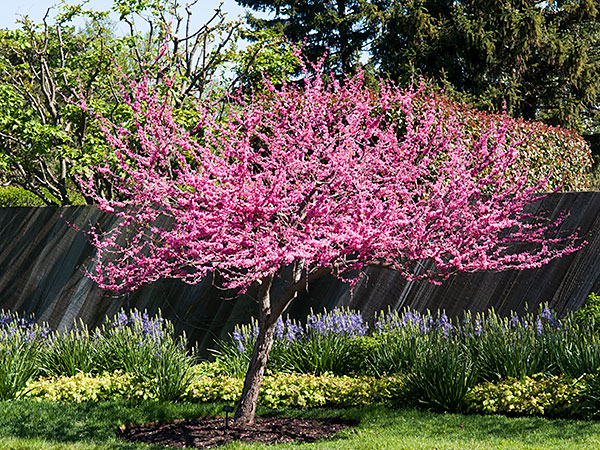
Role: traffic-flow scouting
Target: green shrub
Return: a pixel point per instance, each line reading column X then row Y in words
column 84, row 387
column 277, row 391
column 589, row 313
column 11, row 196
column 591, row 397
column 539, row 395
column 360, row 360
column 15, row 196
column 326, row 390
column 294, row 390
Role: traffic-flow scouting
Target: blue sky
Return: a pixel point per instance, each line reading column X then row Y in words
column 35, row 9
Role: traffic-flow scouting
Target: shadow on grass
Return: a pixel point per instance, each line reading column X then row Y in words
column 73, row 422
column 97, row 422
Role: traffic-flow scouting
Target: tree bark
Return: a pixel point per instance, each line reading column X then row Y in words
column 256, row 370
column 269, row 313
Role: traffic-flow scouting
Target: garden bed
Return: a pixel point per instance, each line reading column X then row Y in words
column 216, row 431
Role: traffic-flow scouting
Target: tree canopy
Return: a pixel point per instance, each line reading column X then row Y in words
column 540, row 59
column 338, row 28
column 308, row 179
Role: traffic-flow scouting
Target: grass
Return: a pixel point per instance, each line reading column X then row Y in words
column 35, row 425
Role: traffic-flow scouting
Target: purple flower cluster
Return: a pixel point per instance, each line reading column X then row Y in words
column 413, row 320
column 12, row 326
column 244, row 336
column 444, row 325
column 337, row 322
column 350, row 324
column 150, row 328
column 288, row 331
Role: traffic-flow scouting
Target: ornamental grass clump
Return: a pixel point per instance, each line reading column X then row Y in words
column 149, row 349
column 575, row 348
column 327, row 345
column 513, row 346
column 71, row 352
column 401, row 339
column 443, row 374
column 20, row 340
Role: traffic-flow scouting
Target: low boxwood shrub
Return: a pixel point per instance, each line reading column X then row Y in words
column 538, row 395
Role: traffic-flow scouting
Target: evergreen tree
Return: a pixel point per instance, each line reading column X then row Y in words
column 541, row 58
column 338, row 27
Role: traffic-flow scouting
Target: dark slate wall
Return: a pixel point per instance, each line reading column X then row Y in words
column 42, row 259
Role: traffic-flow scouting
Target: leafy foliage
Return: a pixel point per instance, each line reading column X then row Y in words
column 278, row 391
column 12, row 196
column 147, row 348
column 550, row 396
column 558, row 155
column 589, row 313
column 46, row 141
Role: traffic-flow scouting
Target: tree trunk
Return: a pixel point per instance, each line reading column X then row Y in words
column 269, row 312
column 256, row 370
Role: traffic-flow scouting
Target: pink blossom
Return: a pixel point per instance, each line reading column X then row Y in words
column 317, row 175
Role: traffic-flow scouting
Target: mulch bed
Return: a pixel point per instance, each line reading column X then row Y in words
column 211, row 432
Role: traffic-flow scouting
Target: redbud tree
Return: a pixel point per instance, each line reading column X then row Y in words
column 305, row 180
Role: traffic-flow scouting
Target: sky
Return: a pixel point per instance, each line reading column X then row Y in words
column 35, row 9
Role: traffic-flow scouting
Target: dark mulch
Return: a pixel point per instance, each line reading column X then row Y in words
column 211, row 432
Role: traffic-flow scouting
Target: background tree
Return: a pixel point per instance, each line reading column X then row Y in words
column 45, row 140
column 540, row 58
column 308, row 180
column 269, row 55
column 338, row 27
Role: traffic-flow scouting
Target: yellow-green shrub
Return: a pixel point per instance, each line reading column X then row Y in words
column 551, row 396
column 277, row 391
column 85, row 387
column 311, row 391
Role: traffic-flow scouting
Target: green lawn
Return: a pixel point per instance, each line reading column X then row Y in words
column 38, row 425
